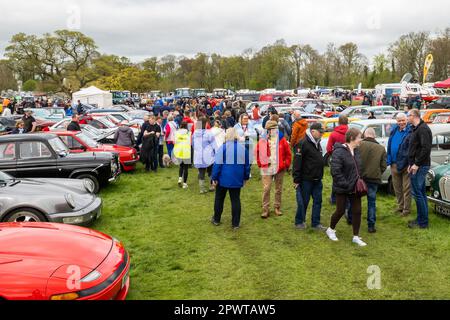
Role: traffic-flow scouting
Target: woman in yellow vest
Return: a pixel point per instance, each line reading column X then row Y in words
column 182, row 153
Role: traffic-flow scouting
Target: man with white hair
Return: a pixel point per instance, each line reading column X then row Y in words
column 373, row 157
column 299, row 128
column 397, row 158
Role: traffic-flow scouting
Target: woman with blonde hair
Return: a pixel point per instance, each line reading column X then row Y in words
column 230, row 172
column 20, row 128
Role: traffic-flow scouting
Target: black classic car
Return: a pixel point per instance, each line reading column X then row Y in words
column 46, row 156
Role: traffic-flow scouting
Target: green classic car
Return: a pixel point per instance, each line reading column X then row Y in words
column 439, row 179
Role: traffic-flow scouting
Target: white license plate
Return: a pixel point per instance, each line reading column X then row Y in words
column 443, row 210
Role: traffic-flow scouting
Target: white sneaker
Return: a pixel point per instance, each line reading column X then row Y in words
column 185, row 186
column 359, row 242
column 180, row 182
column 332, row 234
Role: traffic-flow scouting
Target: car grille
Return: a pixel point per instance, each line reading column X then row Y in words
column 444, row 186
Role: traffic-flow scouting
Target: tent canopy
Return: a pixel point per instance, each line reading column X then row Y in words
column 443, row 84
column 90, row 91
column 93, row 96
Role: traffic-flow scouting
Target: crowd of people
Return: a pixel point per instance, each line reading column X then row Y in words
column 221, row 141
column 226, row 144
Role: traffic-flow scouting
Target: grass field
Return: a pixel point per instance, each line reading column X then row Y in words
column 178, row 254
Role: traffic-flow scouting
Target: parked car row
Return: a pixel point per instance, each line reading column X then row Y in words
column 48, row 191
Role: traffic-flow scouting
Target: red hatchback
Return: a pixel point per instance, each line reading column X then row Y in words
column 79, row 142
column 46, row 261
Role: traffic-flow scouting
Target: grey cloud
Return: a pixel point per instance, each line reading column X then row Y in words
column 139, row 29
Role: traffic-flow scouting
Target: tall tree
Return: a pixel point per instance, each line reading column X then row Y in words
column 54, row 57
column 409, row 53
column 440, row 48
column 7, row 80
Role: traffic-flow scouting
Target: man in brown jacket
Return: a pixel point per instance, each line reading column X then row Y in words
column 373, row 156
column 299, row 128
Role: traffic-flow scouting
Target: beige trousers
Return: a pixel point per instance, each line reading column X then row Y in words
column 267, row 181
column 402, row 188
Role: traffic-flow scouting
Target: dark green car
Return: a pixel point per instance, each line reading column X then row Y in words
column 439, row 178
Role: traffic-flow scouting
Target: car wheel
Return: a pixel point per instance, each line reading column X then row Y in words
column 25, row 215
column 92, row 179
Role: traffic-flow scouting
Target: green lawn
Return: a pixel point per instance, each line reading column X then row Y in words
column 178, row 254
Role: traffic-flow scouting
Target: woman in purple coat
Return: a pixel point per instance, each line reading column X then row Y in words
column 204, row 144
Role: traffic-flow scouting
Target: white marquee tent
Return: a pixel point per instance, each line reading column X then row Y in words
column 93, row 96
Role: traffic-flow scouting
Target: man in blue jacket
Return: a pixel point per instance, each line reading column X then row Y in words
column 231, row 171
column 397, row 158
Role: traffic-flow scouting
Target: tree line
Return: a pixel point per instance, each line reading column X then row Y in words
column 66, row 61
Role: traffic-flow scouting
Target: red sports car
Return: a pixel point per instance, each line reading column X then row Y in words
column 79, row 142
column 46, row 261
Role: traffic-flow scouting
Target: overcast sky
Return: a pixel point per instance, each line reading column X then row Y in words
column 142, row 28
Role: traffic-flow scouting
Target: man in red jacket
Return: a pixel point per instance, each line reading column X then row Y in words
column 338, row 134
column 273, row 156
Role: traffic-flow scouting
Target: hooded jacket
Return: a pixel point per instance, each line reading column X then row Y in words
column 204, row 144
column 298, row 131
column 124, row 137
column 232, row 165
column 337, row 136
column 343, row 169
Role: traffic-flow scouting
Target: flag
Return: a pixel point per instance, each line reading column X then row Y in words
column 427, row 66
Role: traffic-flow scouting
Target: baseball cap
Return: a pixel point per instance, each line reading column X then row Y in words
column 317, row 126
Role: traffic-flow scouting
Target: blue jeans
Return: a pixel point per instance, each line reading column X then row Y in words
column 170, row 147
column 372, row 204
column 418, row 188
column 305, row 191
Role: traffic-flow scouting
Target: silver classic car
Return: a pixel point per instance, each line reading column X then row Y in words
column 67, row 201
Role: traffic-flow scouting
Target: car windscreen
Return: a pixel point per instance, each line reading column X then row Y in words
column 5, row 176
column 358, row 126
column 87, row 140
column 58, row 145
column 107, row 122
column 41, row 113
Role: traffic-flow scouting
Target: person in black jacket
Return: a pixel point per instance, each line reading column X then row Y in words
column 74, row 125
column 308, row 174
column 419, row 155
column 144, row 128
column 346, row 168
column 20, row 128
column 151, row 132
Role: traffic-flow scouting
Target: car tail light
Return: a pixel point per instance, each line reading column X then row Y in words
column 65, row 296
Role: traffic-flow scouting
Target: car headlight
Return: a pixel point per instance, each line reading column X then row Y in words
column 70, row 200
column 94, row 275
column 436, row 194
column 113, row 166
column 89, row 186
